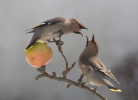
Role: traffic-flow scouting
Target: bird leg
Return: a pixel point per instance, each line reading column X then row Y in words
column 80, row 80
column 61, row 31
column 60, row 50
column 59, row 42
column 95, row 89
column 82, row 84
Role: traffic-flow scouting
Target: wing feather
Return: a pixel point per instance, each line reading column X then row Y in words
column 57, row 20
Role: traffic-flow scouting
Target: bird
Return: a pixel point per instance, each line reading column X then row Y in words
column 53, row 28
column 93, row 69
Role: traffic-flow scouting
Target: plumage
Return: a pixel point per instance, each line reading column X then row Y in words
column 93, row 68
column 52, row 28
column 52, row 21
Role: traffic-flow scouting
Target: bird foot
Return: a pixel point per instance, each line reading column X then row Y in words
column 61, row 31
column 95, row 90
column 59, row 42
column 82, row 84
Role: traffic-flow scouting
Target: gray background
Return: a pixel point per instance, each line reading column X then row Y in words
column 114, row 23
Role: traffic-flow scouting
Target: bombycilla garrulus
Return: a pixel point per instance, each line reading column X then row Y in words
column 92, row 67
column 52, row 28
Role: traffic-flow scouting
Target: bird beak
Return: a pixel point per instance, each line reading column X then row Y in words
column 92, row 38
column 79, row 33
column 87, row 40
column 85, row 28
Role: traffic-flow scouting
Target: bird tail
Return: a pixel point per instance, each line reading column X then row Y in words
column 36, row 36
column 32, row 42
column 111, row 86
column 111, row 76
column 32, row 30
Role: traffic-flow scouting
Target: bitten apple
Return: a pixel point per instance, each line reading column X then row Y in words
column 39, row 54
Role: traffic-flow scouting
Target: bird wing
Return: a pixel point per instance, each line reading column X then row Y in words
column 99, row 66
column 111, row 86
column 57, row 20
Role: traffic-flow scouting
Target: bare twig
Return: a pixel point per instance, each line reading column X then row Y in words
column 45, row 74
column 68, row 70
column 68, row 85
column 59, row 43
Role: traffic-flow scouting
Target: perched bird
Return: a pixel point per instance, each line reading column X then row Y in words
column 54, row 27
column 93, row 69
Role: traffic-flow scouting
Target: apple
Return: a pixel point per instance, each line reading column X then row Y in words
column 39, row 54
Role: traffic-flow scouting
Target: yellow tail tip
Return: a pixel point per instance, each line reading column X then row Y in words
column 33, row 45
column 115, row 90
column 28, row 49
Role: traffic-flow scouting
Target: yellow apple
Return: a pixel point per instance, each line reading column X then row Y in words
column 39, row 54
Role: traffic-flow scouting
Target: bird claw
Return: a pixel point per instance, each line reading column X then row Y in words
column 80, row 79
column 95, row 90
column 82, row 84
column 59, row 42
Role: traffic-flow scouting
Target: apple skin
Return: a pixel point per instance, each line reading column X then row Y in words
column 39, row 54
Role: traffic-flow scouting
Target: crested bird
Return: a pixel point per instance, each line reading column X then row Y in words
column 53, row 28
column 92, row 67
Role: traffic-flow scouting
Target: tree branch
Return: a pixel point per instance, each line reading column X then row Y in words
column 59, row 43
column 53, row 76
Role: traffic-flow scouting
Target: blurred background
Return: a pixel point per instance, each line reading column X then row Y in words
column 114, row 24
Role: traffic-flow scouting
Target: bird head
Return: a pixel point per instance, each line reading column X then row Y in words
column 77, row 26
column 88, row 70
